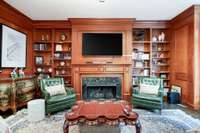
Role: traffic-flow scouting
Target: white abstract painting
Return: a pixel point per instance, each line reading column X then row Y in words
column 13, row 48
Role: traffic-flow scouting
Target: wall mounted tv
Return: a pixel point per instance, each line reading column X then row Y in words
column 102, row 44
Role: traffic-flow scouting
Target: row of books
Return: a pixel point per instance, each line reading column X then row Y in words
column 40, row 47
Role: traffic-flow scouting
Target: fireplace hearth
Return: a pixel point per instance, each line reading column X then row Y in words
column 100, row 88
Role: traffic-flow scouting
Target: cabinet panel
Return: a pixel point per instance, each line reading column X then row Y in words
column 114, row 69
column 90, row 69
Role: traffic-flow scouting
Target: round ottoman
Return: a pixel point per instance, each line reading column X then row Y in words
column 36, row 110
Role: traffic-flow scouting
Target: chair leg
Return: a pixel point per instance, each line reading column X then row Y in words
column 160, row 111
column 49, row 114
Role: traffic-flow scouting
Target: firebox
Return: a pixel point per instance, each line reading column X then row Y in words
column 101, row 88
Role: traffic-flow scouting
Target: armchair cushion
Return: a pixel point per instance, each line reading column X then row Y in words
column 56, row 90
column 149, row 89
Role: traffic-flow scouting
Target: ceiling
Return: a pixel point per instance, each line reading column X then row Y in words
column 64, row 9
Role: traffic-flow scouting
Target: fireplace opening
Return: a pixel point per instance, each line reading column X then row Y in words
column 101, row 92
column 100, row 88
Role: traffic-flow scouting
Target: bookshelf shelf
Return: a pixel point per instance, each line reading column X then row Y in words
column 158, row 64
column 59, row 61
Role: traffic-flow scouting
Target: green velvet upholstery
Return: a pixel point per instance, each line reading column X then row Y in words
column 57, row 102
column 149, row 101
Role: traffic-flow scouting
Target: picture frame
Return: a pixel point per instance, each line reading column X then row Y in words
column 176, row 88
column 39, row 60
column 12, row 47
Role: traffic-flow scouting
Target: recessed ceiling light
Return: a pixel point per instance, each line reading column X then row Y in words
column 101, row 1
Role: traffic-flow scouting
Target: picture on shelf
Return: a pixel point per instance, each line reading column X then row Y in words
column 59, row 47
column 13, row 47
column 176, row 88
column 39, row 60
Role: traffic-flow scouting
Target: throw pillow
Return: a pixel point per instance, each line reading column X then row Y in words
column 149, row 89
column 56, row 90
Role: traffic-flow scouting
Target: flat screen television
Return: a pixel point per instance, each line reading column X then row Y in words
column 102, row 44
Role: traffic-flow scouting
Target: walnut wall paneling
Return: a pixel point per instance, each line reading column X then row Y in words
column 185, row 55
column 197, row 56
column 80, row 26
column 181, row 60
column 15, row 19
column 102, row 65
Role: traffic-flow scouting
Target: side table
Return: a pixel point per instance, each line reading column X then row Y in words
column 36, row 110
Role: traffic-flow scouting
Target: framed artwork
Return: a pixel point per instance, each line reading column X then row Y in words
column 12, row 47
column 176, row 88
column 39, row 60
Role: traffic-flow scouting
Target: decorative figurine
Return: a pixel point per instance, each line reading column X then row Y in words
column 47, row 37
column 162, row 36
column 154, row 39
column 50, row 70
column 62, row 63
column 14, row 73
column 39, row 69
column 21, row 73
column 42, row 38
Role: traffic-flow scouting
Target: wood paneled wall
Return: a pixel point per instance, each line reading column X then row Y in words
column 185, row 63
column 13, row 18
column 102, row 65
column 185, row 55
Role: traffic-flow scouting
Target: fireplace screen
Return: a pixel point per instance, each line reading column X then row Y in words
column 101, row 88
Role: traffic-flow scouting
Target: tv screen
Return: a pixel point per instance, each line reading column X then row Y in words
column 102, row 44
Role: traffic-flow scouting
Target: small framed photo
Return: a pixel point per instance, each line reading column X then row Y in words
column 176, row 88
column 39, row 60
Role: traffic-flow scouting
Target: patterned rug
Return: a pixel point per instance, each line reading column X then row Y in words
column 171, row 121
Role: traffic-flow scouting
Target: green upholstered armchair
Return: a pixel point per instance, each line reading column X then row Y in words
column 149, row 100
column 56, row 102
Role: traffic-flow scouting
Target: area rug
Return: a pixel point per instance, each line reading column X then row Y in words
column 171, row 121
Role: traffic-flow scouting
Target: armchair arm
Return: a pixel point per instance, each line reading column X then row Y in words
column 69, row 90
column 136, row 90
column 160, row 93
column 45, row 94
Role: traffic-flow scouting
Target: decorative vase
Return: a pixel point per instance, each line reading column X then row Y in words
column 62, row 63
column 42, row 38
column 162, row 36
column 159, row 38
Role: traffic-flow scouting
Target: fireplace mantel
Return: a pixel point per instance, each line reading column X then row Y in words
column 102, row 65
column 122, row 71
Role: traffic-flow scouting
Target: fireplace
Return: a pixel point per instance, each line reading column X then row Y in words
column 101, row 88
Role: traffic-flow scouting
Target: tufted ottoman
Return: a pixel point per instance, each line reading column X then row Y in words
column 36, row 110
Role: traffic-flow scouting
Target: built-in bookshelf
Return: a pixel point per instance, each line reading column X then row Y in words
column 42, row 49
column 62, row 55
column 52, row 53
column 151, row 54
column 160, row 49
column 141, row 54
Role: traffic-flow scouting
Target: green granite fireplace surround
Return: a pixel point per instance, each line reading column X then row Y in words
column 101, row 88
